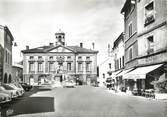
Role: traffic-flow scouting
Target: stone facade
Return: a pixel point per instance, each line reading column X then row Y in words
column 6, row 40
column 119, row 55
column 59, row 62
column 130, row 30
column 17, row 72
column 148, row 39
column 152, row 36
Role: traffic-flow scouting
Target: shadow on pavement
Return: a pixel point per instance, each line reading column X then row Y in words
column 29, row 106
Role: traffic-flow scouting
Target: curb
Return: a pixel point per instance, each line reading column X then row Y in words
column 124, row 94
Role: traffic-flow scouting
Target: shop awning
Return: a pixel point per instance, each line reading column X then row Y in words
column 124, row 72
column 140, row 73
column 115, row 73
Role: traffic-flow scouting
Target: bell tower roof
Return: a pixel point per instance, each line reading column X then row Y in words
column 59, row 32
column 60, row 37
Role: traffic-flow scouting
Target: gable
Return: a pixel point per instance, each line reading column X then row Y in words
column 60, row 49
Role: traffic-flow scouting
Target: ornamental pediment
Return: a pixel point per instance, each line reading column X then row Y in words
column 60, row 49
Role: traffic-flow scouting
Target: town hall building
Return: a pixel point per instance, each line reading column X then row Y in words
column 58, row 62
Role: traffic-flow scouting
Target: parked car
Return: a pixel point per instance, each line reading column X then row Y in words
column 45, row 86
column 4, row 98
column 18, row 87
column 56, row 84
column 26, row 86
column 69, row 84
column 9, row 90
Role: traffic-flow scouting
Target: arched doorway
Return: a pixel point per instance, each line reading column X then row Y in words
column 5, row 78
column 10, row 78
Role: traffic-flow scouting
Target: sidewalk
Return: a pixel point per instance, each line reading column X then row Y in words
column 131, row 95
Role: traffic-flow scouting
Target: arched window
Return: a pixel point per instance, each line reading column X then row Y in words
column 10, row 78
column 5, row 78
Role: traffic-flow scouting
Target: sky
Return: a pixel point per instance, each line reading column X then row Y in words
column 34, row 22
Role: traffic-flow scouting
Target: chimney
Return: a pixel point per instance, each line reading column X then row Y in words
column 51, row 44
column 93, row 45
column 27, row 47
column 15, row 44
column 81, row 45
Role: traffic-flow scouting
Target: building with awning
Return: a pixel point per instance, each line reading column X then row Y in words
column 114, row 74
column 123, row 72
column 140, row 72
column 143, row 76
column 145, row 44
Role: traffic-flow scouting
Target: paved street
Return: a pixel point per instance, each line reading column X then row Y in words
column 83, row 101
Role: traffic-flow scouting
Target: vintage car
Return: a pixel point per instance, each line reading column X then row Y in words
column 45, row 86
column 4, row 98
column 17, row 87
column 8, row 90
column 26, row 86
column 68, row 84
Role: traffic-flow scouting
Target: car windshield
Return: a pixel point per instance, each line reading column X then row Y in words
column 13, row 86
column 7, row 87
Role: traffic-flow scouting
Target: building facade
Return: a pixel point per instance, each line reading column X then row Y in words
column 106, row 67
column 129, row 11
column 119, row 53
column 152, row 33
column 58, row 62
column 17, row 72
column 149, row 54
column 6, row 40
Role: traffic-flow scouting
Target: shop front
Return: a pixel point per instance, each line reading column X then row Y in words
column 121, row 81
column 141, row 78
